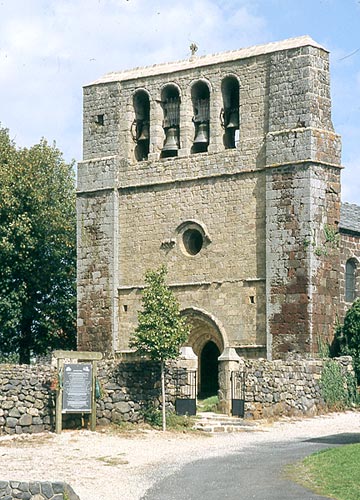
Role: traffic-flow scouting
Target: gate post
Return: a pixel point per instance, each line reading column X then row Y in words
column 188, row 358
column 229, row 361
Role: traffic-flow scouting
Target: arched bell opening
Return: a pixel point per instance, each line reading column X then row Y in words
column 140, row 128
column 207, row 342
column 200, row 96
column 230, row 112
column 170, row 101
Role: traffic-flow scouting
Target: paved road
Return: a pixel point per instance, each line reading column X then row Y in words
column 253, row 473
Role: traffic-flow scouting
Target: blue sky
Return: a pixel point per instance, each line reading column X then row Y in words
column 50, row 48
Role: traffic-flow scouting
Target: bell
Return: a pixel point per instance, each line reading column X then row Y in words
column 144, row 135
column 233, row 120
column 171, row 141
column 202, row 134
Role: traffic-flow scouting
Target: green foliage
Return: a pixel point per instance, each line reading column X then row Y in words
column 11, row 358
column 333, row 473
column 348, row 336
column 153, row 417
column 331, row 240
column 209, row 404
column 323, row 348
column 338, row 391
column 179, row 422
column 37, row 249
column 161, row 330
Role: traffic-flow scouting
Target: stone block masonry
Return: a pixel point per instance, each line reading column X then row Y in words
column 36, row 490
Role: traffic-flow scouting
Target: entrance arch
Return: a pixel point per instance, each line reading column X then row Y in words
column 207, row 341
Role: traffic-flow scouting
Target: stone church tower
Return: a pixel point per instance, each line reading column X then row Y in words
column 226, row 169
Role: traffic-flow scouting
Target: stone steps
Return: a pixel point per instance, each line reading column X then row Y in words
column 216, row 422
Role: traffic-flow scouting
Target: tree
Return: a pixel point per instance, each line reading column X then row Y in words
column 161, row 330
column 348, row 336
column 37, row 250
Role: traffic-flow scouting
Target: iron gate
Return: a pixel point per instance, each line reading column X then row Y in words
column 186, row 388
column 238, row 393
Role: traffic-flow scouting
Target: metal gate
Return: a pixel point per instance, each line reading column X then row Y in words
column 186, row 388
column 238, row 393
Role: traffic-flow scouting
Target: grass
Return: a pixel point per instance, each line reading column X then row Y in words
column 334, row 472
column 208, row 404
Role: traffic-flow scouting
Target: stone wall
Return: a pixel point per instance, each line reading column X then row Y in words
column 128, row 387
column 36, row 490
column 26, row 399
column 278, row 388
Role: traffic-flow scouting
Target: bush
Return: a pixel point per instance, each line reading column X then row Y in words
column 153, row 417
column 348, row 337
column 338, row 391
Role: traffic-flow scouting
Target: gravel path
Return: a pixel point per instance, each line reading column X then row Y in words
column 123, row 466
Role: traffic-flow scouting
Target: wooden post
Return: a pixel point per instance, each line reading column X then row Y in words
column 93, row 402
column 59, row 390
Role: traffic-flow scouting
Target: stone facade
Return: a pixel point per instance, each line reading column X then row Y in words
column 226, row 169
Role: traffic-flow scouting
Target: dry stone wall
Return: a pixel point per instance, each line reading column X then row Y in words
column 292, row 388
column 130, row 387
column 26, row 399
column 36, row 490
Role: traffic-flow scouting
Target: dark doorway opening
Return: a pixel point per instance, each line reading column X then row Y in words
column 209, row 381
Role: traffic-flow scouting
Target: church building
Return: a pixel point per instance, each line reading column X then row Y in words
column 225, row 168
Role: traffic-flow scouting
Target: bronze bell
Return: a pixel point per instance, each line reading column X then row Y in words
column 171, row 140
column 202, row 136
column 233, row 120
column 144, row 135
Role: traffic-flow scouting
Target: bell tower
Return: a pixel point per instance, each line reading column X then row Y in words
column 226, row 169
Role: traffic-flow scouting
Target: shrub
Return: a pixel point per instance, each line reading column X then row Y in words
column 348, row 336
column 338, row 391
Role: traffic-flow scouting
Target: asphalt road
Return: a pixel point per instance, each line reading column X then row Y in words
column 254, row 473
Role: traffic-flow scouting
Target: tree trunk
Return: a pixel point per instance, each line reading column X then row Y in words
column 163, row 395
column 24, row 342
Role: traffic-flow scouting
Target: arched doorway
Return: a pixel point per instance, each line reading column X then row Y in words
column 209, row 366
column 207, row 342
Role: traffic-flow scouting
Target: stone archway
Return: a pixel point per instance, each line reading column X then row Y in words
column 207, row 342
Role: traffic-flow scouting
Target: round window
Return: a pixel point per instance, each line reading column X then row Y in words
column 193, row 241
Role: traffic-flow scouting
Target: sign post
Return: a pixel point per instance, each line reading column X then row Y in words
column 76, row 371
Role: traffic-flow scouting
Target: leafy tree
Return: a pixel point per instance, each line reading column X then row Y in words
column 348, row 336
column 161, row 330
column 37, row 250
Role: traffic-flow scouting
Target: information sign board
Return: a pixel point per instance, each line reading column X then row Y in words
column 77, row 388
